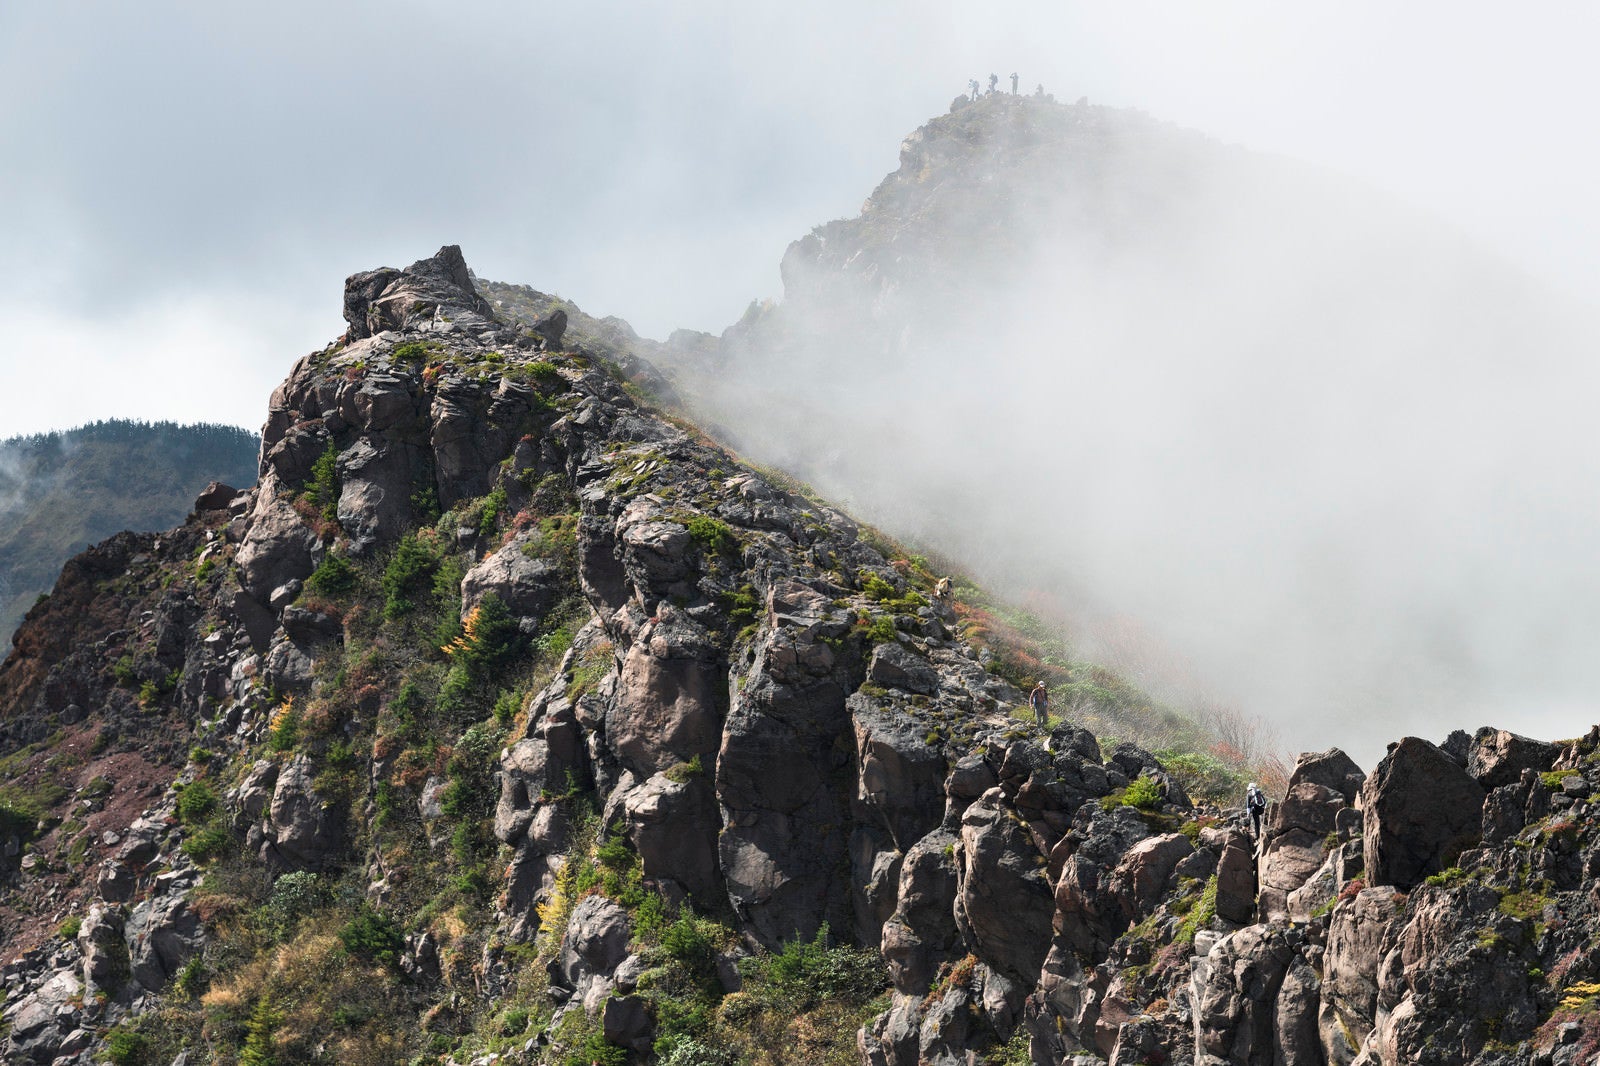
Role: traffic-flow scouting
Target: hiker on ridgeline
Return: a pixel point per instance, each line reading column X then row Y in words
column 994, row 79
column 1255, row 802
column 973, row 84
column 1039, row 700
column 1013, row 83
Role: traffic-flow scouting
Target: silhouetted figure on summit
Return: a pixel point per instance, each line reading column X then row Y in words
column 974, row 84
column 994, row 79
column 1038, row 90
column 1013, row 83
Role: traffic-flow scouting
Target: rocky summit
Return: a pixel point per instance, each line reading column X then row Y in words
column 508, row 719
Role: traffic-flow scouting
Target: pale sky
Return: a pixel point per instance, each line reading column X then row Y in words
column 184, row 186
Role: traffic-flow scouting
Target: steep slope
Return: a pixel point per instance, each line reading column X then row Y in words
column 507, row 720
column 60, row 492
column 1303, row 434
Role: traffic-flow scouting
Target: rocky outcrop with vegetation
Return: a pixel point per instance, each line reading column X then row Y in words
column 508, row 719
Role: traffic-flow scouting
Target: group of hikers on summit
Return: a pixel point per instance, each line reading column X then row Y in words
column 994, row 82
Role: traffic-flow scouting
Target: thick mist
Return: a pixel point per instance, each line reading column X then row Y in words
column 1329, row 461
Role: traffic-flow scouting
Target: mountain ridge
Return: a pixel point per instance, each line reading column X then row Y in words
column 509, row 719
column 518, row 750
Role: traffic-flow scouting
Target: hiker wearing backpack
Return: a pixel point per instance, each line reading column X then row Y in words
column 1255, row 802
column 1039, row 700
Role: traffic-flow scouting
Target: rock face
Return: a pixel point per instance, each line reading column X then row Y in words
column 1301, row 829
column 501, row 654
column 1421, row 811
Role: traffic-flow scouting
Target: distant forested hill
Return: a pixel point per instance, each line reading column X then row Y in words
column 60, row 492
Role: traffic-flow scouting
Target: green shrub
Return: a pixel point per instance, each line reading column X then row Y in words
column 294, row 897
column 683, row 772
column 192, row 977
column 197, row 801
column 208, row 842
column 688, row 942
column 594, row 1051
column 410, row 570
column 372, row 936
column 493, row 506
column 1200, row 915
column 507, row 706
column 284, row 732
column 471, row 769
column 490, row 636
column 687, row 1051
column 614, row 852
column 68, row 929
column 543, row 371
column 334, row 576
column 877, row 588
column 258, row 1049
column 1144, row 793
column 712, row 534
column 879, row 629
column 322, row 490
column 125, row 1047
column 412, row 352
column 806, row 973
column 126, row 671
column 18, row 821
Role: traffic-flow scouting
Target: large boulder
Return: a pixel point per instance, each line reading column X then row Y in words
column 527, row 584
column 922, row 930
column 105, row 952
column 1296, row 842
column 278, row 546
column 670, row 691
column 1087, row 918
column 1420, row 811
column 1235, row 991
column 376, row 483
column 671, row 820
column 596, row 941
column 1332, row 769
column 1361, row 935
column 302, row 831
column 162, row 933
column 1004, row 892
column 900, row 783
column 550, row 329
column 1498, row 757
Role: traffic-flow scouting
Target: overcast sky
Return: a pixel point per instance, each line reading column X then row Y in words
column 184, row 186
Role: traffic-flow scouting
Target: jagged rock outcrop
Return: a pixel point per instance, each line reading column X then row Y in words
column 491, row 622
column 1300, row 830
column 1420, row 811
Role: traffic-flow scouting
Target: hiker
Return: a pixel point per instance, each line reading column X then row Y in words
column 1013, row 83
column 1039, row 700
column 994, row 79
column 973, row 84
column 941, row 589
column 1038, row 90
column 1256, row 803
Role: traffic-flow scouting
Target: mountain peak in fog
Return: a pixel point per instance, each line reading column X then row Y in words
column 1315, row 446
